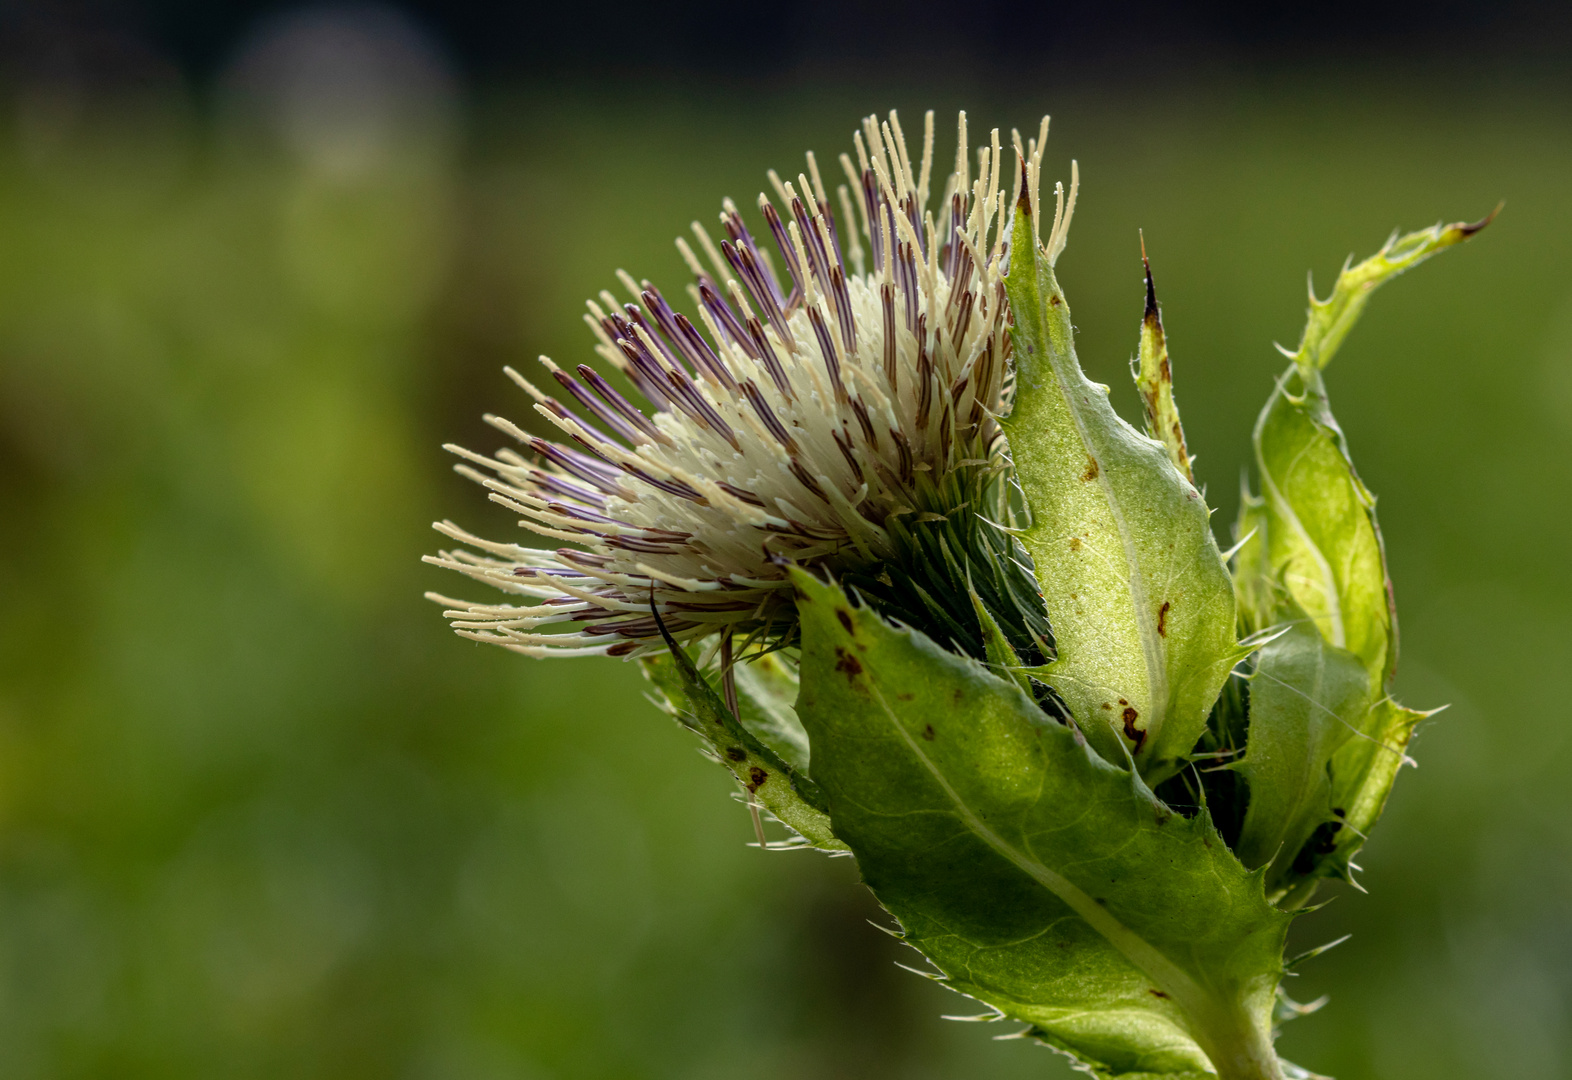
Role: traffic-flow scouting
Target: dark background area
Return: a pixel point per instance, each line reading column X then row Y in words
column 261, row 815
column 618, row 39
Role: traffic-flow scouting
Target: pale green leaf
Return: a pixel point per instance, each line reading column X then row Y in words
column 1141, row 605
column 1330, row 320
column 1315, row 549
column 1363, row 772
column 1257, row 593
column 1036, row 876
column 1318, row 526
column 767, row 695
column 791, row 796
column 1317, row 535
column 1365, row 768
column 1306, row 697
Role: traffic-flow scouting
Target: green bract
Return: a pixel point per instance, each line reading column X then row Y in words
column 1120, row 881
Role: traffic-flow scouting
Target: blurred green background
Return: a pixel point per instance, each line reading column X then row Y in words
column 261, row 815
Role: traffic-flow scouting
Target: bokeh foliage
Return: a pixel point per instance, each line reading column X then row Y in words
column 260, row 814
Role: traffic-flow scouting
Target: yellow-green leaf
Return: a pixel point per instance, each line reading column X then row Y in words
column 1036, row 876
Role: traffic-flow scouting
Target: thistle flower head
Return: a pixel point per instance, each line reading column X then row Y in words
column 832, row 402
column 846, row 407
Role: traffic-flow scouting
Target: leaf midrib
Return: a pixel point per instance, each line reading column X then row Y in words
column 1153, row 652
column 1145, row 956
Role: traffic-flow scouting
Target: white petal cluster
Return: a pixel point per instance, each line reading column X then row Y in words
column 845, row 376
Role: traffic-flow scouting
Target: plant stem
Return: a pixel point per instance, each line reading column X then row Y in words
column 1241, row 1048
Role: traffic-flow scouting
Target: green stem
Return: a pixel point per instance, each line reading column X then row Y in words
column 1240, row 1048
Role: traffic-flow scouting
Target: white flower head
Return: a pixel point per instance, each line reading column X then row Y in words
column 836, row 406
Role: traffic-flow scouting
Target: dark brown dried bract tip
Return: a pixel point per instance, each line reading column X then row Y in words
column 1025, row 201
column 1472, row 228
column 1151, row 315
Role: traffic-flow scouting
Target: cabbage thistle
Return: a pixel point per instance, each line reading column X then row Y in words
column 882, row 546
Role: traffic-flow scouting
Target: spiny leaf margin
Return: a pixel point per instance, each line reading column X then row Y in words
column 1035, row 875
column 794, row 799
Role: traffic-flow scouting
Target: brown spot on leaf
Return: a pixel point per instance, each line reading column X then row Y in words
column 845, row 617
column 1075, row 543
column 905, row 697
column 1107, row 706
column 1131, row 732
column 736, row 753
column 927, row 732
column 1162, row 619
column 1055, row 300
column 846, row 662
column 1092, row 470
column 1159, row 993
column 756, row 778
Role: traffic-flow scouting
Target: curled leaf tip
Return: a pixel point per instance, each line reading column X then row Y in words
column 1330, row 319
column 1470, row 228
